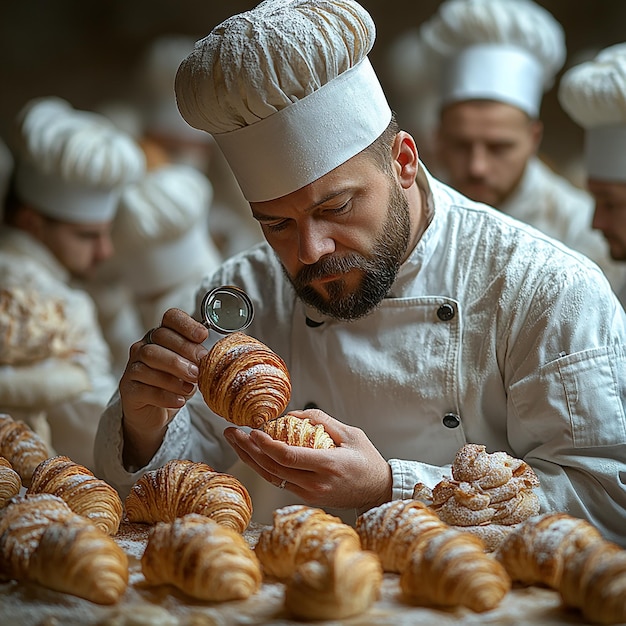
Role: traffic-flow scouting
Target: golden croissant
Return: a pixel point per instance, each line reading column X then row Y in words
column 244, row 381
column 326, row 573
column 594, row 581
column 535, row 553
column 203, row 559
column 181, row 487
column 84, row 493
column 298, row 431
column 10, row 481
column 21, row 446
column 78, row 558
column 22, row 523
column 336, row 584
column 438, row 565
column 42, row 540
column 297, row 530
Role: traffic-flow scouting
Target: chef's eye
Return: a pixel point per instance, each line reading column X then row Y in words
column 275, row 227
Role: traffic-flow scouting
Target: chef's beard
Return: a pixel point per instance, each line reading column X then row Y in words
column 379, row 269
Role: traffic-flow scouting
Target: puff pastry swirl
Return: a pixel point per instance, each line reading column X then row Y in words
column 298, row 431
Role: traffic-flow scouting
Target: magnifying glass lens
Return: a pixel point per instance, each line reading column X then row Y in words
column 227, row 309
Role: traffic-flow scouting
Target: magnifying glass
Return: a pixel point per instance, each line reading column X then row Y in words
column 227, row 309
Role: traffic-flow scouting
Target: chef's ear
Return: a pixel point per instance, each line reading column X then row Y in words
column 405, row 158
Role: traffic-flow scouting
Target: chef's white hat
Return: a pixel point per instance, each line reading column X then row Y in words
column 162, row 231
column 287, row 91
column 593, row 94
column 71, row 165
column 503, row 50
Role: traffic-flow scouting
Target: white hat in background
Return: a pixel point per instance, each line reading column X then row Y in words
column 503, row 50
column 161, row 229
column 287, row 91
column 593, row 94
column 71, row 165
column 156, row 74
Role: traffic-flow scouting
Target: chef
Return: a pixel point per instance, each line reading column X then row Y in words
column 491, row 62
column 69, row 171
column 412, row 320
column 594, row 95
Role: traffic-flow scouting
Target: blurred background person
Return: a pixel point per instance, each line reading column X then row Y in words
column 152, row 115
column 493, row 60
column 70, row 168
column 162, row 240
column 593, row 93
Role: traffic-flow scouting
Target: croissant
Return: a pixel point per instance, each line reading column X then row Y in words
column 244, row 381
column 326, row 573
column 594, row 581
column 79, row 559
column 338, row 583
column 181, row 487
column 84, row 493
column 22, row 523
column 21, row 446
column 535, row 553
column 296, row 532
column 42, row 540
column 438, row 565
column 10, row 481
column 203, row 559
column 298, row 431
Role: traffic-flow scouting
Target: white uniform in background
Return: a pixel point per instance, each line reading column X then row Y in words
column 433, row 367
column 557, row 208
column 70, row 168
column 593, row 93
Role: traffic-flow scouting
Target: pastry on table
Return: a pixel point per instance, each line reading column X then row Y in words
column 570, row 555
column 202, row 558
column 244, row 381
column 488, row 494
column 327, row 574
column 298, row 431
column 21, row 446
column 181, row 487
column 10, row 482
column 85, row 494
column 438, row 565
column 42, row 540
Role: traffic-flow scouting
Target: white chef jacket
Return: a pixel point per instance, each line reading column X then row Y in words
column 493, row 334
column 25, row 262
column 561, row 210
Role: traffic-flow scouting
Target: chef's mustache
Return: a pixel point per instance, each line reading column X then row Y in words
column 330, row 265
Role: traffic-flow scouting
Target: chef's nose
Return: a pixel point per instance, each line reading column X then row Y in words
column 314, row 242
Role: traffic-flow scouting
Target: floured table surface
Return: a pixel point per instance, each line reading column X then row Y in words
column 33, row 605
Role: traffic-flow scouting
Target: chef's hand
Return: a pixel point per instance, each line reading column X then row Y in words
column 352, row 475
column 161, row 375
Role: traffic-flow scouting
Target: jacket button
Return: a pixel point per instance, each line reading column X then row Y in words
column 451, row 420
column 445, row 312
column 310, row 405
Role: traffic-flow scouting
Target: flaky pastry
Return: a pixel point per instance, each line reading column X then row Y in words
column 85, row 494
column 21, row 446
column 181, row 487
column 438, row 565
column 298, row 431
column 244, row 381
column 203, row 559
column 10, row 481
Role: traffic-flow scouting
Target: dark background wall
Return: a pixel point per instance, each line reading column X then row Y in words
column 84, row 51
